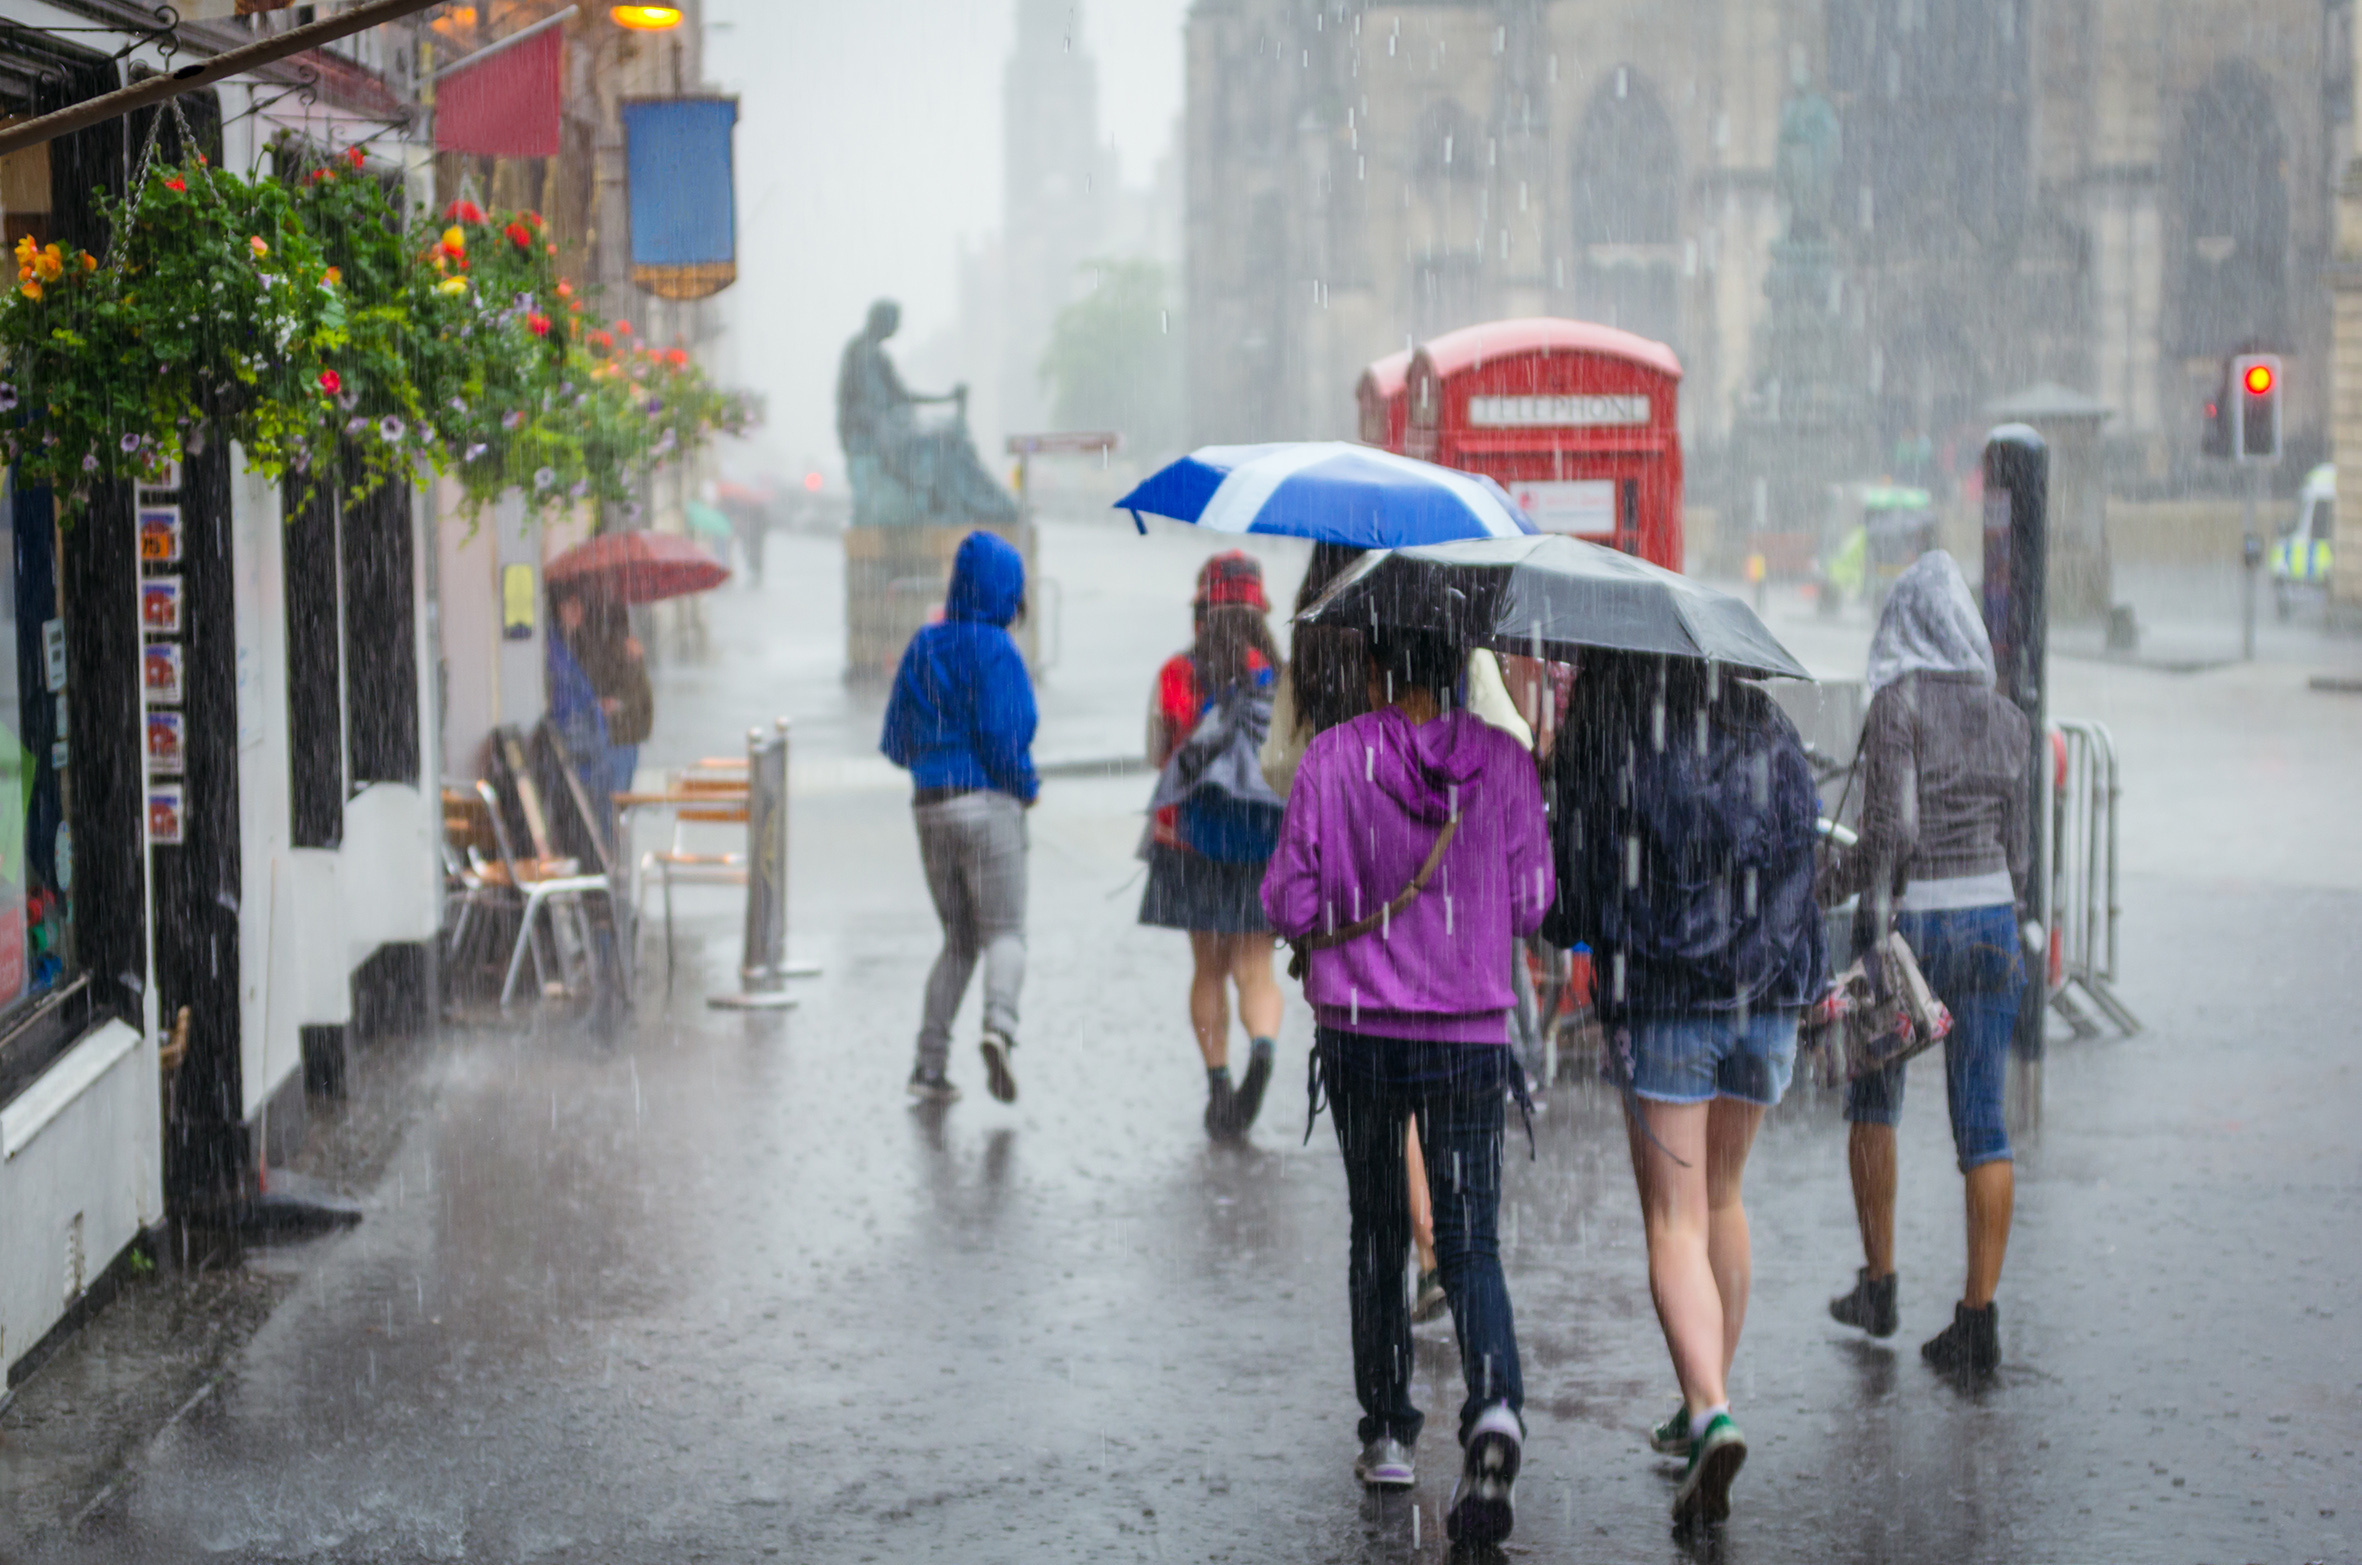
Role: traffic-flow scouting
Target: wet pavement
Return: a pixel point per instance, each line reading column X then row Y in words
column 713, row 1291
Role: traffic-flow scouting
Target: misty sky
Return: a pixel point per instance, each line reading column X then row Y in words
column 869, row 146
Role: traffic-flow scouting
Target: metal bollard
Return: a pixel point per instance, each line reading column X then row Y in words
column 763, row 970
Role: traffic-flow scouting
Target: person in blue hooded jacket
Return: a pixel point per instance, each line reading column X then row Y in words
column 961, row 722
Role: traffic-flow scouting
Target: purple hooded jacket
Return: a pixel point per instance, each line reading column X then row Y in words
column 1363, row 815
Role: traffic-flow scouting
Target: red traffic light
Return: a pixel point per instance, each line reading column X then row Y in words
column 2257, row 380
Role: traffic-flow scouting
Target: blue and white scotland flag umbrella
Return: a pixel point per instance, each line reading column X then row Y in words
column 1327, row 491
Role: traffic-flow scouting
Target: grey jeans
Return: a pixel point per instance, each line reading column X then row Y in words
column 974, row 849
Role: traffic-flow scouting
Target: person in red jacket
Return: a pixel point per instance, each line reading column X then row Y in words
column 1206, row 851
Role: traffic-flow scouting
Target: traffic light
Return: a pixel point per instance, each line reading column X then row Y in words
column 2254, row 408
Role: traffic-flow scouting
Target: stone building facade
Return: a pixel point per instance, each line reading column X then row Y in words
column 2108, row 195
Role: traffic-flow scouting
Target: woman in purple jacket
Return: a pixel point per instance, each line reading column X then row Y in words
column 1413, row 852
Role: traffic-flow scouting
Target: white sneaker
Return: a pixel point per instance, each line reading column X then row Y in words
column 997, row 1078
column 1385, row 1463
column 1484, row 1500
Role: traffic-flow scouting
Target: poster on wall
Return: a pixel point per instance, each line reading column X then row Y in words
column 163, row 665
column 166, row 817
column 159, row 605
column 159, row 535
column 166, row 743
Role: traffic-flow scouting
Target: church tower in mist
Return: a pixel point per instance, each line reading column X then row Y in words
column 1058, row 189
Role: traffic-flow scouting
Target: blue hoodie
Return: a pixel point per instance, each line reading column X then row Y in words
column 962, row 715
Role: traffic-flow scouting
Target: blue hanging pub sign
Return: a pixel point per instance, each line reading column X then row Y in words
column 680, row 188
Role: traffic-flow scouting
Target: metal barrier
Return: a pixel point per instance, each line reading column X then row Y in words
column 2078, row 872
column 764, row 970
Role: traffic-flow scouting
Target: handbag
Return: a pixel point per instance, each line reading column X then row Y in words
column 1300, row 951
column 1880, row 1013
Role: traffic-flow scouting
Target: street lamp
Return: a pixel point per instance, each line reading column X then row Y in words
column 646, row 18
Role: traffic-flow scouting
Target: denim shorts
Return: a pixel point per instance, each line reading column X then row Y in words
column 1697, row 1056
column 1973, row 963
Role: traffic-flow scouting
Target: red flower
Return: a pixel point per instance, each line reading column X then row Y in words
column 355, row 156
column 550, row 249
column 320, row 174
column 623, row 328
column 534, row 218
column 463, row 212
column 538, row 325
column 519, row 235
column 678, row 358
column 176, row 183
column 331, row 382
column 600, row 339
column 565, row 289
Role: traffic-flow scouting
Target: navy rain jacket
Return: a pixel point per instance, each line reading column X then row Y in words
column 1689, row 864
column 962, row 713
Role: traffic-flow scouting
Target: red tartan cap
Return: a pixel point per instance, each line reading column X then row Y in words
column 1234, row 576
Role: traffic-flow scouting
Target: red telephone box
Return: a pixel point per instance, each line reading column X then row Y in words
column 1385, row 408
column 1579, row 422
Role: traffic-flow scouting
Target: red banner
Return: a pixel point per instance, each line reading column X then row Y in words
column 509, row 105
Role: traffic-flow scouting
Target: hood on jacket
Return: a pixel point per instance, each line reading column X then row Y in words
column 987, row 581
column 1931, row 625
column 1422, row 767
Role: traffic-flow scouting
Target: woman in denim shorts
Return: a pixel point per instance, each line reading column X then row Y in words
column 1944, row 848
column 1684, row 835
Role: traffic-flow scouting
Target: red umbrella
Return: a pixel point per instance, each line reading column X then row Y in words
column 638, row 567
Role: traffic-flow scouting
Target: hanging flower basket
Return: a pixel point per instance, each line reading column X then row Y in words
column 304, row 321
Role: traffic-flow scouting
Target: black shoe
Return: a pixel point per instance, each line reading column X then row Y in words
column 1870, row 1306
column 931, row 1085
column 1249, row 1101
column 1221, row 1104
column 1970, row 1346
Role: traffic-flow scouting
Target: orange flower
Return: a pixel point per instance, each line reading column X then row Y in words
column 677, row 358
column 254, row 243
column 333, row 276
column 89, row 262
column 355, row 156
column 32, row 290
column 49, row 264
column 455, row 240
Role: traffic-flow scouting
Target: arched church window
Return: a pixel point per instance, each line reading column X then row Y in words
column 1627, row 209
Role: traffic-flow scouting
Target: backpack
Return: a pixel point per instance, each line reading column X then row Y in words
column 1227, row 812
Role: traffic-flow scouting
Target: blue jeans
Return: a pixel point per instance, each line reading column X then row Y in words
column 1456, row 1089
column 1972, row 961
column 1698, row 1056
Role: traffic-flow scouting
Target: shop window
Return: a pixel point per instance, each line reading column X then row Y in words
column 36, row 748
column 380, row 639
column 315, row 671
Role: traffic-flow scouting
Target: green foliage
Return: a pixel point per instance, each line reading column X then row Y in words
column 306, row 322
column 1114, row 359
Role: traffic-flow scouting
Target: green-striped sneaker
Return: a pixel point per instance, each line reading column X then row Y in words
column 1714, row 1460
column 1671, row 1438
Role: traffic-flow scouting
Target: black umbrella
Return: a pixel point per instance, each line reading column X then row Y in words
column 1549, row 596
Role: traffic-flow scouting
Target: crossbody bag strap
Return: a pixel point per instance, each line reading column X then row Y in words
column 1300, row 950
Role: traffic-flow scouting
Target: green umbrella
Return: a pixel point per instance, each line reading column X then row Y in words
column 705, row 519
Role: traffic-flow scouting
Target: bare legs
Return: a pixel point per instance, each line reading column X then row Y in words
column 1870, row 1157
column 1422, row 1199
column 1991, row 1197
column 1222, row 962
column 1689, row 1161
column 1992, row 1193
